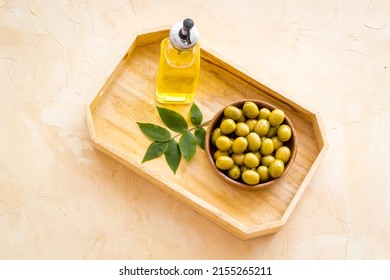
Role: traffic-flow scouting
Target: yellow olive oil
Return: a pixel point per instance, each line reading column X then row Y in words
column 179, row 65
column 178, row 73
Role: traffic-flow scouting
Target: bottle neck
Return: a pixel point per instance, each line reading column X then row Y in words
column 180, row 58
column 174, row 50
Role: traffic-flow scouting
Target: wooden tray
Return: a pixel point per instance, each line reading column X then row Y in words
column 128, row 96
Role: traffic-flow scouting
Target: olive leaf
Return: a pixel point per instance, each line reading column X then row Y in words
column 195, row 115
column 200, row 135
column 173, row 155
column 187, row 145
column 155, row 132
column 172, row 120
column 155, row 150
column 165, row 144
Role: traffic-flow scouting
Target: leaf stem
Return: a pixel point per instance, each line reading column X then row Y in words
column 192, row 128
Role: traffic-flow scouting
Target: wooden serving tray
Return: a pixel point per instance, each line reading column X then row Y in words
column 128, row 96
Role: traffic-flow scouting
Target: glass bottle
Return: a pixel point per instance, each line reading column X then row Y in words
column 179, row 65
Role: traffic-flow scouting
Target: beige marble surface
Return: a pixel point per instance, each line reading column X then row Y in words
column 62, row 199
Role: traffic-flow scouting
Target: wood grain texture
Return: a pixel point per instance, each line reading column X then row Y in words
column 129, row 97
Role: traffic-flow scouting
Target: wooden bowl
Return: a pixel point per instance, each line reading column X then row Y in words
column 210, row 148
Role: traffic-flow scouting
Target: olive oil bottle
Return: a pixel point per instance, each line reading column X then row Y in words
column 179, row 65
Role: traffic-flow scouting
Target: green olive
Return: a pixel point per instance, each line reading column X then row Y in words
column 262, row 127
column 267, row 146
column 251, row 124
column 219, row 153
column 238, row 159
column 234, row 172
column 284, row 132
column 264, row 113
column 216, row 133
column 223, row 143
column 239, row 145
column 276, row 168
column 232, row 112
column 242, row 118
column 244, row 168
column 242, row 129
column 266, row 160
column 272, row 131
column 250, row 109
column 228, row 126
column 224, row 162
column 259, row 155
column 276, row 117
column 230, row 151
column 277, row 142
column 254, row 141
column 250, row 177
column 251, row 160
column 283, row 153
column 263, row 172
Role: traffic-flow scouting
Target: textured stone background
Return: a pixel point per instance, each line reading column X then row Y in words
column 62, row 199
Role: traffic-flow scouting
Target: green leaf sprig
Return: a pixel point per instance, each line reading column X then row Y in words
column 165, row 144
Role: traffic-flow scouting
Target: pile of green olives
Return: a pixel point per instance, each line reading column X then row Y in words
column 250, row 143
